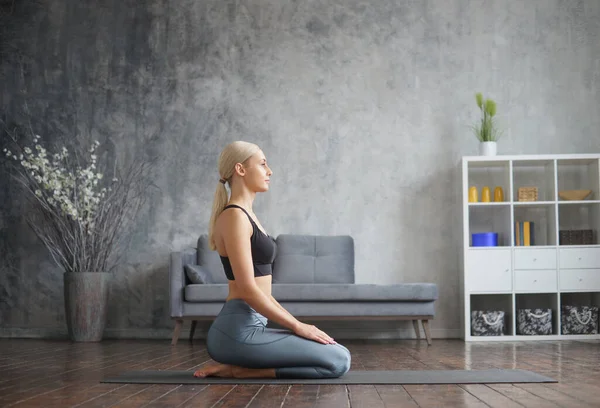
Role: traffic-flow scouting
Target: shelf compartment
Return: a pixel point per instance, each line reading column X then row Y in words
column 527, row 258
column 486, row 310
column 578, row 174
column 578, row 224
column 579, row 313
column 490, row 218
column 534, row 173
column 535, row 280
column 542, row 225
column 536, row 314
column 579, row 257
column 579, row 279
column 488, row 270
column 490, row 174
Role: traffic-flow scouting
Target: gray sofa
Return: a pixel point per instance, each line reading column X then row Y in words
column 313, row 278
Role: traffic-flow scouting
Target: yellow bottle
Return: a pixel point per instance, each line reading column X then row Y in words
column 498, row 194
column 473, row 197
column 486, row 194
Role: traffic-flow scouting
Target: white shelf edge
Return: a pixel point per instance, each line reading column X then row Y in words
column 491, row 248
column 522, row 337
column 490, row 204
column 528, row 292
column 579, row 246
column 563, row 291
column 534, row 203
column 501, row 247
column 535, row 247
column 572, row 202
column 531, row 157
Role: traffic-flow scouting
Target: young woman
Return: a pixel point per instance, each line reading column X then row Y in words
column 238, row 339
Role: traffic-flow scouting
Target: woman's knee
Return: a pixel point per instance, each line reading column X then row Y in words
column 340, row 360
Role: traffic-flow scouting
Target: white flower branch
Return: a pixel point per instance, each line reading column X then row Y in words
column 80, row 216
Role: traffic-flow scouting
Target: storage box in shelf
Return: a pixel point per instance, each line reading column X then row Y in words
column 576, row 237
column 488, row 323
column 527, row 194
column 579, row 319
column 534, row 322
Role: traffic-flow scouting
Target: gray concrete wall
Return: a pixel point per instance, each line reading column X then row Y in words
column 363, row 110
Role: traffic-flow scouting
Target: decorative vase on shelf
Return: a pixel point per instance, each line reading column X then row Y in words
column 473, row 195
column 487, row 148
column 498, row 194
column 486, row 194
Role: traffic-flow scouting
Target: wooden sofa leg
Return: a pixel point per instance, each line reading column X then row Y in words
column 427, row 332
column 192, row 329
column 176, row 331
column 417, row 331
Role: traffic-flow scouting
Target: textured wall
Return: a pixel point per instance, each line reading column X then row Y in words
column 361, row 108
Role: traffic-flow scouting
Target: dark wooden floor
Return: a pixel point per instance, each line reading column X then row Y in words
column 38, row 373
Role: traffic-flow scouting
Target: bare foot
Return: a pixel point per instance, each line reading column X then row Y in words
column 241, row 372
column 215, row 370
column 231, row 371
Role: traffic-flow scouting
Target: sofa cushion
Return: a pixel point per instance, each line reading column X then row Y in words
column 314, row 259
column 197, row 274
column 414, row 292
column 403, row 292
column 210, row 261
column 360, row 309
column 308, row 309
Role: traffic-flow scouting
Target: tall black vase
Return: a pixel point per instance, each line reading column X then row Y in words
column 86, row 304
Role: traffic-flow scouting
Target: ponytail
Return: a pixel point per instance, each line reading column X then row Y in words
column 219, row 202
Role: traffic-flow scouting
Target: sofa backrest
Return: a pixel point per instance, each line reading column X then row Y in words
column 314, row 259
column 299, row 259
column 210, row 260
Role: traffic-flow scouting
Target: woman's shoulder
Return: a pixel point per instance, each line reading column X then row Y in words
column 233, row 220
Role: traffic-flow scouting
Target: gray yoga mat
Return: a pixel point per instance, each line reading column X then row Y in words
column 351, row 377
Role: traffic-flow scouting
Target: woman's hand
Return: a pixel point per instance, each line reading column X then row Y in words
column 313, row 333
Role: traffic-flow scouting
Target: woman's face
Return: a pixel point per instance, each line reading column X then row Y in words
column 258, row 172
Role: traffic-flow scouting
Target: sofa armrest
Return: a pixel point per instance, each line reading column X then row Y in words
column 177, row 279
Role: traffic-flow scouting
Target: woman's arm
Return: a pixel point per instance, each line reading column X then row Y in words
column 279, row 306
column 305, row 330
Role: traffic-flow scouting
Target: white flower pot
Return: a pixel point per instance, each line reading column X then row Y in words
column 487, row 148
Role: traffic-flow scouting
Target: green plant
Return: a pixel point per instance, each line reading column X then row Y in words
column 486, row 130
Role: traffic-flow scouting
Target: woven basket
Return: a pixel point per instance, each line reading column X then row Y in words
column 528, row 194
column 576, row 237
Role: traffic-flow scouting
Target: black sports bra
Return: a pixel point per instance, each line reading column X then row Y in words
column 263, row 247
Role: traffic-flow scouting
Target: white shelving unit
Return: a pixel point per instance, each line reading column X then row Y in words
column 547, row 274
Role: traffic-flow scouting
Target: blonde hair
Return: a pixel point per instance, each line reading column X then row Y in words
column 233, row 153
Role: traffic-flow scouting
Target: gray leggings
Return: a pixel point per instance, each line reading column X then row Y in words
column 239, row 336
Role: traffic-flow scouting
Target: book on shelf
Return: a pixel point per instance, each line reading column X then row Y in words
column 524, row 233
